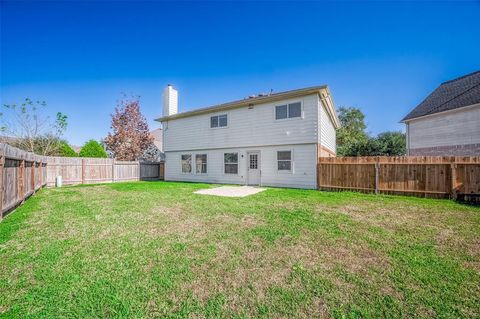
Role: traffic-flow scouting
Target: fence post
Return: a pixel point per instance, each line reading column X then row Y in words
column 2, row 164
column 21, row 181
column 83, row 171
column 453, row 174
column 138, row 170
column 377, row 168
column 113, row 170
column 40, row 172
column 32, row 181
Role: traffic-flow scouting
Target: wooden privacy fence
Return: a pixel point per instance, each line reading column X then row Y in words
column 22, row 173
column 427, row 176
column 76, row 170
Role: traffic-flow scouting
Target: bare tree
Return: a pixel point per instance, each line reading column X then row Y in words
column 30, row 129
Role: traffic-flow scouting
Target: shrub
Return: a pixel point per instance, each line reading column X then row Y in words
column 66, row 150
column 392, row 143
column 92, row 149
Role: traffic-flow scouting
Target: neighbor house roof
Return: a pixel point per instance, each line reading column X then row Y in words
column 450, row 95
column 322, row 90
column 10, row 140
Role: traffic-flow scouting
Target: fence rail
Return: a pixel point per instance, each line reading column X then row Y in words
column 23, row 173
column 430, row 176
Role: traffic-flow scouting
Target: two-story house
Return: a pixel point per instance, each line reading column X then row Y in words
column 269, row 140
column 447, row 122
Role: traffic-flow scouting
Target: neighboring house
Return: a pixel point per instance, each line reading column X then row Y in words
column 10, row 140
column 155, row 151
column 447, row 122
column 157, row 135
column 270, row 140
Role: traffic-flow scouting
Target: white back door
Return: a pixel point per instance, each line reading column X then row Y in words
column 253, row 167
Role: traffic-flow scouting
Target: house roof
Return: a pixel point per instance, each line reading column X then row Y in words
column 322, row 90
column 11, row 140
column 450, row 95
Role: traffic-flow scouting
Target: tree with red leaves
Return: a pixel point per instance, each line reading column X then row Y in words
column 130, row 137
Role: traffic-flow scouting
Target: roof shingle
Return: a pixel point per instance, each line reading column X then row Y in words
column 450, row 95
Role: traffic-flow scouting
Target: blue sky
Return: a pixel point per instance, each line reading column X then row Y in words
column 383, row 57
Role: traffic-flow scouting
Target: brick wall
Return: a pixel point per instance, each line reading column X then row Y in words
column 452, row 150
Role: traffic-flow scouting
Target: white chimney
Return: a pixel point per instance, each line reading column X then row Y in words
column 170, row 101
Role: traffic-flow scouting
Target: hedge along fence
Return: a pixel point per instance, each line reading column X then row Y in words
column 426, row 176
column 22, row 173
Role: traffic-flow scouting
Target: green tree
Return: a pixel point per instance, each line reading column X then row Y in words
column 92, row 149
column 391, row 144
column 352, row 138
column 66, row 150
column 364, row 147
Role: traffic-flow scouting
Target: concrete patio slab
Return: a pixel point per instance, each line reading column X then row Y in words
column 231, row 191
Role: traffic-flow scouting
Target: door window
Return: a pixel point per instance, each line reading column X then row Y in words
column 253, row 161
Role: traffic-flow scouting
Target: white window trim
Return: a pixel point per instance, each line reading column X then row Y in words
column 292, row 165
column 238, row 164
column 191, row 164
column 301, row 117
column 218, row 127
column 206, row 156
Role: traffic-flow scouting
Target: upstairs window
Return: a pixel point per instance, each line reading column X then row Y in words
column 284, row 160
column 187, row 163
column 218, row 121
column 290, row 110
column 230, row 161
column 201, row 163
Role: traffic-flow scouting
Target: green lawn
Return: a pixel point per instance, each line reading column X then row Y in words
column 155, row 249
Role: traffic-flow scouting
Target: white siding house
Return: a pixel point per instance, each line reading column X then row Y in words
column 447, row 122
column 269, row 140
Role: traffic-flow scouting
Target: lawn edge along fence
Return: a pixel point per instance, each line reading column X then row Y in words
column 426, row 176
column 23, row 173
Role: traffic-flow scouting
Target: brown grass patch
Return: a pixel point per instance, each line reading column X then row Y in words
column 245, row 276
